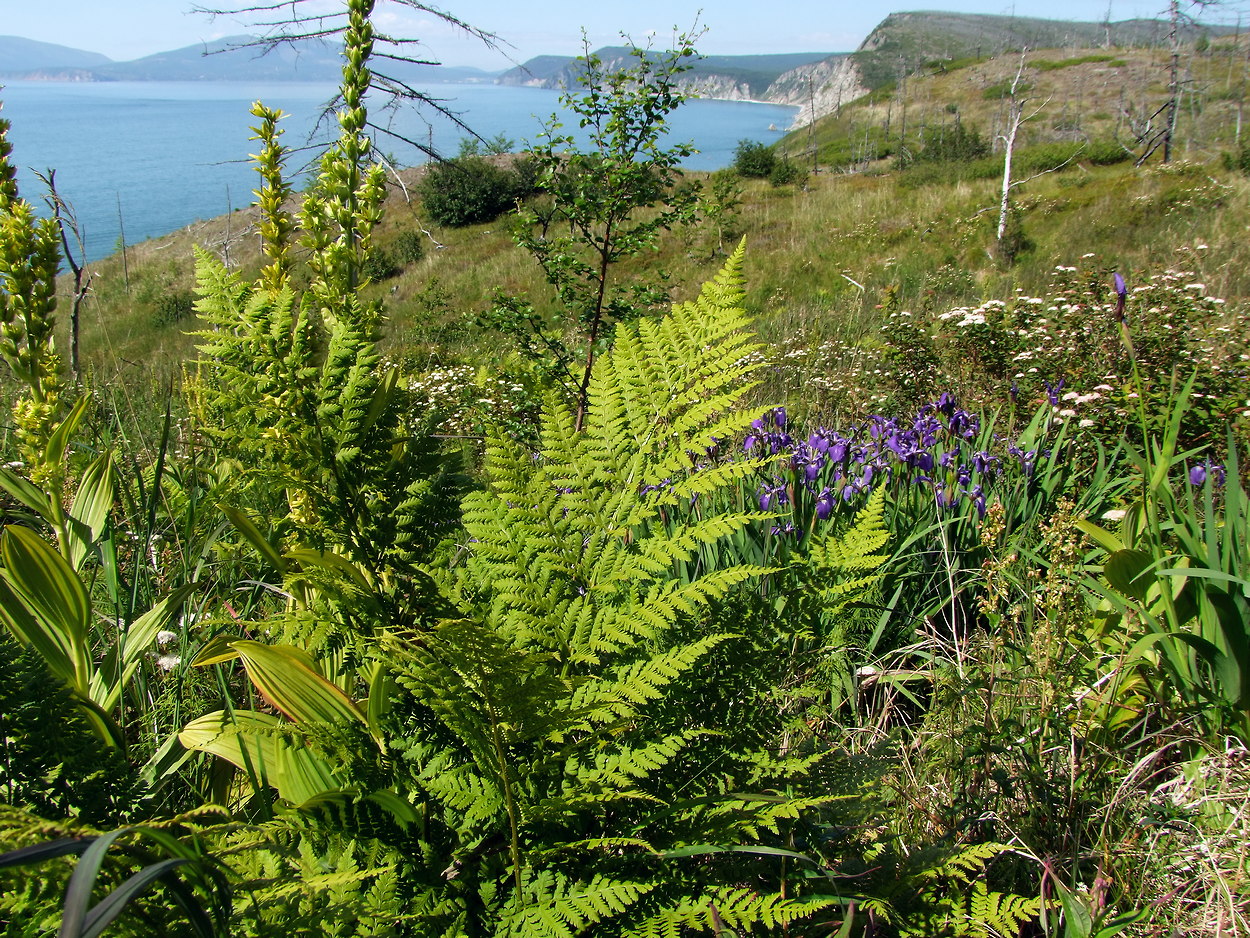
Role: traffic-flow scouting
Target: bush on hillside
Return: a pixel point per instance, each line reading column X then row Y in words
column 468, row 190
column 408, row 247
column 952, row 143
column 754, row 159
column 785, row 173
column 1238, row 160
column 172, row 307
column 379, row 265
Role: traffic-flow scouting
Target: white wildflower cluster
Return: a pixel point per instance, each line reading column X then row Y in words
column 1075, row 332
column 831, row 374
column 964, row 317
column 465, row 397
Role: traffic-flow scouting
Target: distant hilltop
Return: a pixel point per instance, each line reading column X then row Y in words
column 733, row 77
column 815, row 82
column 819, row 83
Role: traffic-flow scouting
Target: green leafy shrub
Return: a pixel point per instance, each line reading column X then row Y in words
column 754, row 160
column 173, row 307
column 1097, row 58
column 1005, row 89
column 1048, row 156
column 467, row 190
column 786, row 173
column 610, row 197
column 378, row 265
column 952, row 143
column 409, row 247
column 1238, row 160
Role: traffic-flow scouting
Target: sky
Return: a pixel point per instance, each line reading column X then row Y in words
column 128, row 29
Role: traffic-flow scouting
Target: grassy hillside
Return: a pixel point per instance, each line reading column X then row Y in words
column 906, row 41
column 825, row 256
column 1074, row 94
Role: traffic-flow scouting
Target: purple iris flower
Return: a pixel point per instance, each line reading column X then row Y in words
column 1052, row 391
column 824, row 504
column 977, row 494
column 1121, row 293
column 1198, row 474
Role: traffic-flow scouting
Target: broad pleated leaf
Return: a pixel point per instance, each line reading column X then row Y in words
column 286, row 677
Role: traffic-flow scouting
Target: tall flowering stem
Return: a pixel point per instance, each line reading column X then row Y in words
column 276, row 221
column 29, row 260
column 345, row 203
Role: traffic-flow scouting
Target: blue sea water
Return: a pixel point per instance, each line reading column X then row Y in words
column 147, row 158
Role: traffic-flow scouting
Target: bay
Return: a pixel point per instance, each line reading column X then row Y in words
column 147, row 158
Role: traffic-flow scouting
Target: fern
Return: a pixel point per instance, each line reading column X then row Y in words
column 946, row 893
column 293, row 877
column 566, row 728
column 79, row 777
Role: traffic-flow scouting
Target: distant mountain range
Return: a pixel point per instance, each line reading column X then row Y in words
column 221, row 60
column 815, row 82
column 19, row 55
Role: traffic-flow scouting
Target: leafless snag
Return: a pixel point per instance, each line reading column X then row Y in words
column 290, row 23
column 1015, row 118
column 68, row 226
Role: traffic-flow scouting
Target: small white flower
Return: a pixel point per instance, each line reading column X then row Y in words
column 164, row 637
column 167, row 662
column 1115, row 514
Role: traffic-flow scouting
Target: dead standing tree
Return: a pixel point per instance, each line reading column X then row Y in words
column 1017, row 102
column 291, row 22
column 1150, row 137
column 67, row 223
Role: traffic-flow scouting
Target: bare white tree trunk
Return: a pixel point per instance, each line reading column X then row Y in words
column 1009, row 140
column 1015, row 117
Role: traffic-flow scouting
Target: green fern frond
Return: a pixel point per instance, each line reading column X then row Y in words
column 223, row 293
column 622, row 691
column 723, row 909
column 554, row 907
column 998, row 913
column 621, row 768
column 856, row 548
